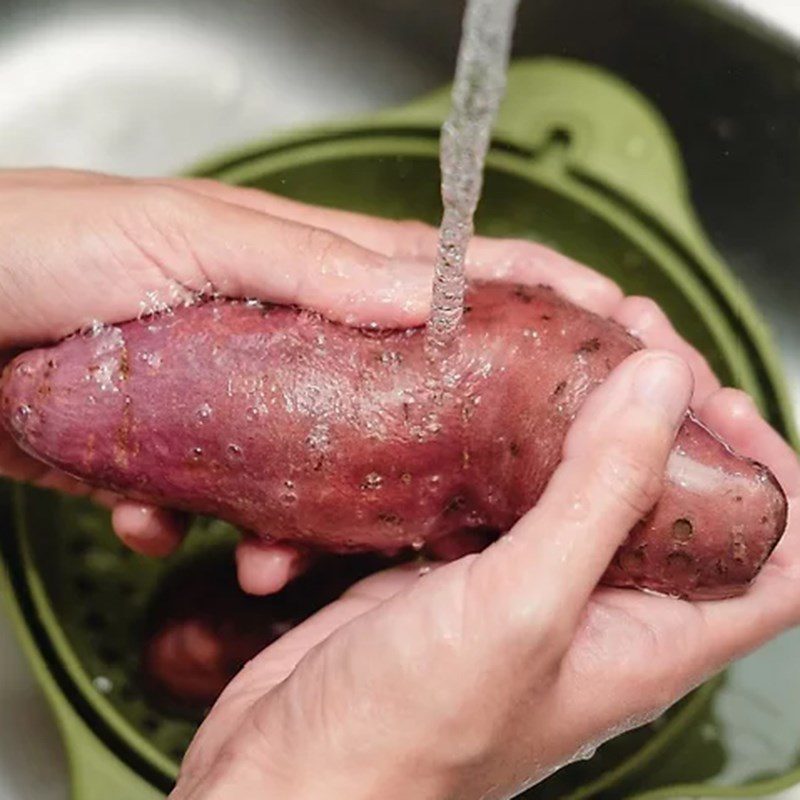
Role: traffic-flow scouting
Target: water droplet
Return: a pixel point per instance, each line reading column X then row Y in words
column 586, row 753
column 319, row 437
column 417, row 544
column 433, row 426
column 204, row 412
column 23, row 414
column 93, row 329
column 103, row 684
column 390, row 357
column 234, row 451
column 372, row 481
column 196, row 453
column 424, row 569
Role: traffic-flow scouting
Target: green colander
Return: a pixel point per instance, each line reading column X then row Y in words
column 579, row 162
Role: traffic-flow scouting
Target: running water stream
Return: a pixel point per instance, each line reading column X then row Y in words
column 477, row 90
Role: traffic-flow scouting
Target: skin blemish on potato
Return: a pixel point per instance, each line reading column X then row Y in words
column 390, row 518
column 631, row 561
column 738, row 545
column 679, row 562
column 559, row 390
column 514, row 449
column 405, row 478
column 522, row 293
column 389, row 358
column 455, row 504
column 124, row 365
column 589, row 346
column 122, row 448
column 682, row 530
column 465, row 458
column 372, row 481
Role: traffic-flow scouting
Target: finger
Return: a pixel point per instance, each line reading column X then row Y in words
column 733, row 415
column 148, row 530
column 242, row 252
column 265, row 567
column 643, row 318
column 507, row 260
column 610, row 476
column 105, row 498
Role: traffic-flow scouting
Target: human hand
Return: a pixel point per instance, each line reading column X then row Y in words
column 81, row 248
column 485, row 675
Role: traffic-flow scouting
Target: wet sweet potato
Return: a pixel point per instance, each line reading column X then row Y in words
column 293, row 427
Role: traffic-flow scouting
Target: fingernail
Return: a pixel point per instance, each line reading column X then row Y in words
column 664, row 382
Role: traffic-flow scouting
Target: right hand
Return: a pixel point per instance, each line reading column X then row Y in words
column 482, row 677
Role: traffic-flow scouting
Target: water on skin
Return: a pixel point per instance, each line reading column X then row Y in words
column 478, row 87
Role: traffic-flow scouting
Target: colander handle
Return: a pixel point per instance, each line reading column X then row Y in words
column 617, row 139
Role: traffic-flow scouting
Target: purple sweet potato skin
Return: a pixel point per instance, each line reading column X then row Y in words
column 293, row 427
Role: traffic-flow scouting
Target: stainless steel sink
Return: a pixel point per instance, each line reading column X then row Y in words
column 149, row 86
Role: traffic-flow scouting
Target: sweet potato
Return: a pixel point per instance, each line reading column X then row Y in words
column 290, row 426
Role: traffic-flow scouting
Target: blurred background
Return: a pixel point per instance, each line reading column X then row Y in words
column 150, row 86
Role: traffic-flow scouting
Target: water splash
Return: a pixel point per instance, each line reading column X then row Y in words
column 477, row 90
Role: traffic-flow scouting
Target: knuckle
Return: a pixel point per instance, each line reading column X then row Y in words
column 322, row 245
column 160, row 198
column 629, row 476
